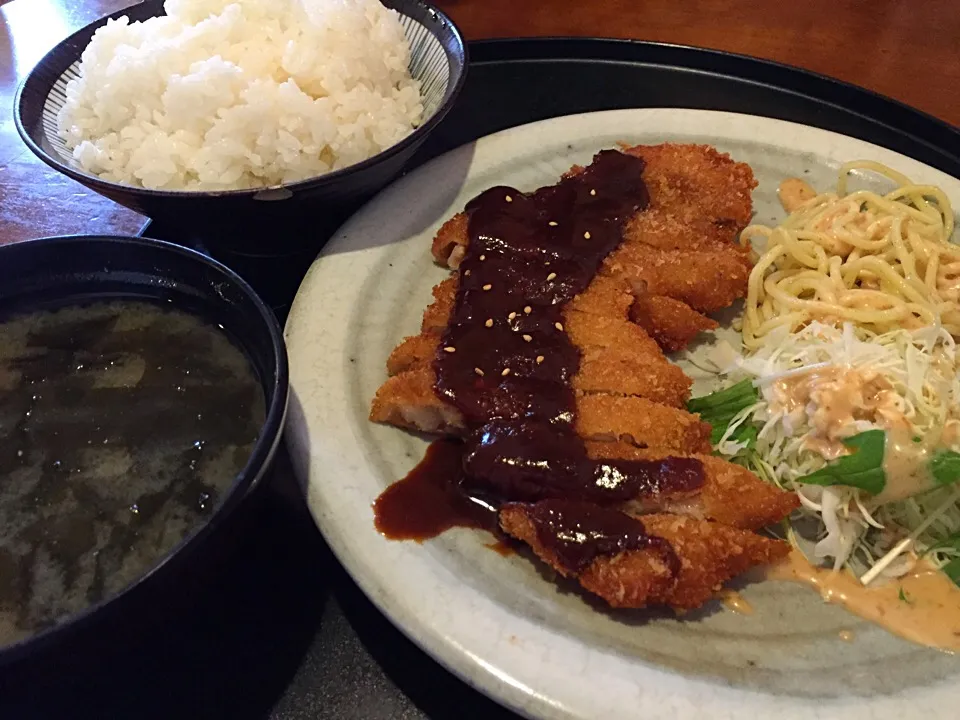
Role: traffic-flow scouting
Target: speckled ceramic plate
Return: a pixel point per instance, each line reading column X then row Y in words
column 497, row 622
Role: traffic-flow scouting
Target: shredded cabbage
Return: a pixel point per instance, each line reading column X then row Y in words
column 823, row 383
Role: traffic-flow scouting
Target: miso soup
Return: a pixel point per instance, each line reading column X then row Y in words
column 121, row 425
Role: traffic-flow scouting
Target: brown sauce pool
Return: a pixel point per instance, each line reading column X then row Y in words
column 122, row 423
column 429, row 500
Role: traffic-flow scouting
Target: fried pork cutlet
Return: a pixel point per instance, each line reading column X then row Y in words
column 627, row 395
column 705, row 555
column 626, row 402
column 680, row 252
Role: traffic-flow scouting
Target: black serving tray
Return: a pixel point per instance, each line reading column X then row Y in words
column 280, row 631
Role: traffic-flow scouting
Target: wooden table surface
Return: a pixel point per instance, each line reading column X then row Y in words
column 901, row 48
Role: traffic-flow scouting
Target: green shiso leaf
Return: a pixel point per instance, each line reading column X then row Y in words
column 863, row 468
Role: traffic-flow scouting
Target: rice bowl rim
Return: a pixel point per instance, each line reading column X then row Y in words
column 457, row 61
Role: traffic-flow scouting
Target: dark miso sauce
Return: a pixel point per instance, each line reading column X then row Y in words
column 506, row 362
column 122, row 423
column 430, row 500
column 577, row 532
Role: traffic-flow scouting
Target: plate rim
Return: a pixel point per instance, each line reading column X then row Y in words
column 689, row 695
column 817, row 86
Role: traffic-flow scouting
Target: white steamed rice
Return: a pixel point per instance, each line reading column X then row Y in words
column 224, row 94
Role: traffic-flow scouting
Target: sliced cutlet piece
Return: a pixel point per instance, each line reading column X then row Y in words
column 408, row 400
column 648, row 395
column 606, row 296
column 704, row 279
column 616, row 372
column 640, row 422
column 682, row 249
column 597, row 317
column 624, row 294
column 588, row 331
column 710, row 554
column 627, row 579
column 691, row 182
column 617, row 356
column 730, row 494
column 672, row 323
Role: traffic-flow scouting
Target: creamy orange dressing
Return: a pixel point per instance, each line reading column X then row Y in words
column 905, row 466
column 735, row 602
column 794, row 192
column 838, row 215
column 833, row 399
column 923, row 607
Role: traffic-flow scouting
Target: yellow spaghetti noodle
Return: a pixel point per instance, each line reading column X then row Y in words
column 879, row 261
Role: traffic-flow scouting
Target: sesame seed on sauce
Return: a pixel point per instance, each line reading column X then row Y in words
column 478, row 371
column 558, row 326
column 483, row 257
column 506, row 371
column 586, row 235
column 528, row 338
column 527, row 310
column 539, row 359
column 509, row 199
column 489, row 322
column 488, row 286
column 511, row 316
column 450, row 348
column 466, row 273
column 593, row 192
column 552, row 223
column 551, row 276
